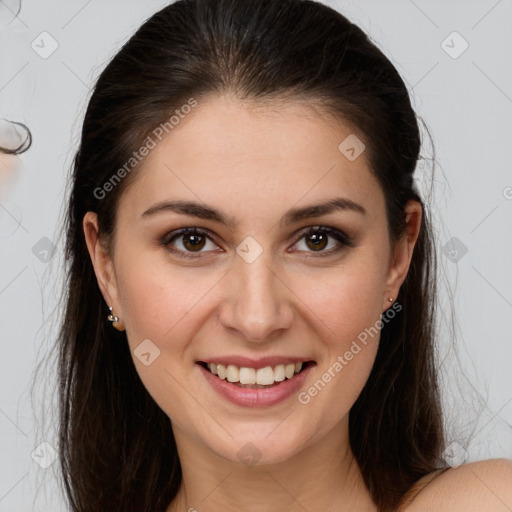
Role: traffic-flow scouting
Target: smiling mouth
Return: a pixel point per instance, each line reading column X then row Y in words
column 252, row 378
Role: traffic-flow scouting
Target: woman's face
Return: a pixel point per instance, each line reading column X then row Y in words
column 258, row 287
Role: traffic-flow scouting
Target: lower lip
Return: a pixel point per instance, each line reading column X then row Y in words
column 257, row 397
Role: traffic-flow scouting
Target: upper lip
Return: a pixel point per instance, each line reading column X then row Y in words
column 247, row 362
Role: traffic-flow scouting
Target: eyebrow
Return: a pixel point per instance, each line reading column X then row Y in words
column 294, row 215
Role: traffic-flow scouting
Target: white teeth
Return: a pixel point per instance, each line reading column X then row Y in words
column 247, row 376
column 289, row 370
column 279, row 375
column 232, row 373
column 221, row 371
column 265, row 376
column 262, row 376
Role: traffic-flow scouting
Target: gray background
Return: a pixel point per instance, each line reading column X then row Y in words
column 465, row 98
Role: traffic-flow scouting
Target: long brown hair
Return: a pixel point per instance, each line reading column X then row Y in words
column 117, row 451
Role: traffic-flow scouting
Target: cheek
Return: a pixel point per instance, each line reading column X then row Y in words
column 163, row 305
column 346, row 299
column 347, row 303
column 159, row 301
column 351, row 310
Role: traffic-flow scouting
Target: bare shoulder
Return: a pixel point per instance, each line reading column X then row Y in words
column 477, row 486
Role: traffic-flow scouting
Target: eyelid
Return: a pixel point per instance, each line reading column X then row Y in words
column 343, row 239
column 340, row 236
column 176, row 233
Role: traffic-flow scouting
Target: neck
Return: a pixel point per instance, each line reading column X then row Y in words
column 323, row 476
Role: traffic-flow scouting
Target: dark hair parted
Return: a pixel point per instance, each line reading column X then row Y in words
column 117, row 450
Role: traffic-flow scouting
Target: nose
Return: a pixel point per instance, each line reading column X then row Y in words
column 256, row 300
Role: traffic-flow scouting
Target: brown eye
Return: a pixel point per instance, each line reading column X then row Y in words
column 192, row 241
column 317, row 239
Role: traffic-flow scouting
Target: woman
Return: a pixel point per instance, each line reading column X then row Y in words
column 250, row 306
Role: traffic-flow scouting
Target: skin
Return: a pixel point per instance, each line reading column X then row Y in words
column 474, row 487
column 254, row 162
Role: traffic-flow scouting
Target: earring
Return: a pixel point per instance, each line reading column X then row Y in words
column 111, row 317
column 390, row 299
column 115, row 321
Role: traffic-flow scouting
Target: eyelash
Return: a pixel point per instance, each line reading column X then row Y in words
column 342, row 238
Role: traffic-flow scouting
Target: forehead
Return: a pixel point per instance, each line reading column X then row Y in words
column 254, row 157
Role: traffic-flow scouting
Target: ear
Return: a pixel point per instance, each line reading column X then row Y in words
column 402, row 252
column 102, row 263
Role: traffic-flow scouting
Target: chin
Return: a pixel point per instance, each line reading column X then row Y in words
column 259, row 449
